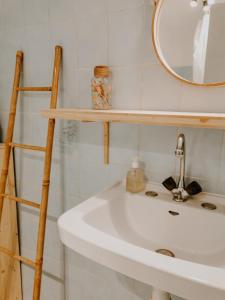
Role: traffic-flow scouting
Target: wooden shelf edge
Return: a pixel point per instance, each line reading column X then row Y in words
column 160, row 118
column 156, row 118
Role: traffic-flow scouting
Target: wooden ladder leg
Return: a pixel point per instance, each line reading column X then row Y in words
column 46, row 178
column 106, row 142
column 10, row 130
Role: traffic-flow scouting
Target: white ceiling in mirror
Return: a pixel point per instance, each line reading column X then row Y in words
column 189, row 38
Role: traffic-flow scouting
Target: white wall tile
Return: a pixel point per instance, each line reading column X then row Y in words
column 157, row 145
column 38, row 55
column 51, row 288
column 222, row 163
column 126, row 31
column 61, row 10
column 66, row 134
column 90, row 6
column 12, row 14
column 201, row 99
column 126, row 84
column 204, row 148
column 149, row 56
column 28, row 175
column 88, row 186
column 3, row 124
column 23, row 128
column 123, row 143
column 84, row 88
column 35, row 12
column 92, row 39
column 12, row 40
column 28, row 235
column 77, row 285
column 65, row 33
column 116, row 5
column 160, row 91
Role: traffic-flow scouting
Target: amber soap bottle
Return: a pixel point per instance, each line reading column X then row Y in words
column 135, row 182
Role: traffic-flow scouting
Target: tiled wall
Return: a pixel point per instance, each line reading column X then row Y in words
column 117, row 33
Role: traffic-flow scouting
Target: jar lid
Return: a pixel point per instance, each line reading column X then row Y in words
column 101, row 71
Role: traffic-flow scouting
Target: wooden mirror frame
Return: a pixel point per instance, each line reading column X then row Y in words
column 156, row 45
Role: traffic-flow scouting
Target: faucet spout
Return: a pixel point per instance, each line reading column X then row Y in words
column 180, row 153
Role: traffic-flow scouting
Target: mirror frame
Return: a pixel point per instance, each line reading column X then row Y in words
column 156, row 45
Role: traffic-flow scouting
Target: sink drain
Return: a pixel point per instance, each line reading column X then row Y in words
column 209, row 206
column 151, row 194
column 165, row 252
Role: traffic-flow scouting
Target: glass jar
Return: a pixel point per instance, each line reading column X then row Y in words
column 101, row 88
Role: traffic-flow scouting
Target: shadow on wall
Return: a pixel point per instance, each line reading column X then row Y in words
column 138, row 288
column 1, row 137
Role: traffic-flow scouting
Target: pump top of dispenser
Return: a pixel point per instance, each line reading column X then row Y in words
column 135, row 163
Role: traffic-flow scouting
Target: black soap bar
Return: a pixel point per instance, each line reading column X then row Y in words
column 193, row 188
column 169, row 184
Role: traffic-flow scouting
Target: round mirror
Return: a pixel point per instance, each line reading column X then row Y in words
column 189, row 39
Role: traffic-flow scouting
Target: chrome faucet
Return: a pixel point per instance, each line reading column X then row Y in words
column 180, row 194
column 179, row 191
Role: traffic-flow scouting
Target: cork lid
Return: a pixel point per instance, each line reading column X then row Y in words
column 101, row 71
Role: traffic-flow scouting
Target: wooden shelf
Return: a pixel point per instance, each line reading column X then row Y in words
column 159, row 118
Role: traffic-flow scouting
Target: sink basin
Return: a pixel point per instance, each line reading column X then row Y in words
column 123, row 231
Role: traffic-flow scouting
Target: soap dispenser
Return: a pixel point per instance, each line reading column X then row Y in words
column 135, row 182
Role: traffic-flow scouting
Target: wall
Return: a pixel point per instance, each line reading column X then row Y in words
column 92, row 32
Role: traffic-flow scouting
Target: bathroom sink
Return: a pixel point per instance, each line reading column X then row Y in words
column 123, row 231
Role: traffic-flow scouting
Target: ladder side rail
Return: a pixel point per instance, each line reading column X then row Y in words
column 10, row 129
column 46, row 177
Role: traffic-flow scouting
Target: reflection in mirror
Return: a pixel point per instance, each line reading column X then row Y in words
column 189, row 37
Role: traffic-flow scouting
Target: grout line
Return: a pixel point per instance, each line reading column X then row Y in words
column 117, row 10
column 36, row 213
column 49, row 275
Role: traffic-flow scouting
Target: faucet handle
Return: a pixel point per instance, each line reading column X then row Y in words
column 193, row 188
column 169, row 184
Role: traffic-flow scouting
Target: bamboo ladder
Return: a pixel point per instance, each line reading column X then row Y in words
column 9, row 145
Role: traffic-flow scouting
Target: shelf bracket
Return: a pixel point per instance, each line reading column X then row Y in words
column 106, row 142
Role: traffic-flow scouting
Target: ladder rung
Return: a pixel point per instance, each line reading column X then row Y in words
column 28, row 147
column 22, row 259
column 35, row 89
column 20, row 200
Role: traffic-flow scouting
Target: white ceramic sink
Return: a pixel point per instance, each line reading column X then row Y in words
column 122, row 231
